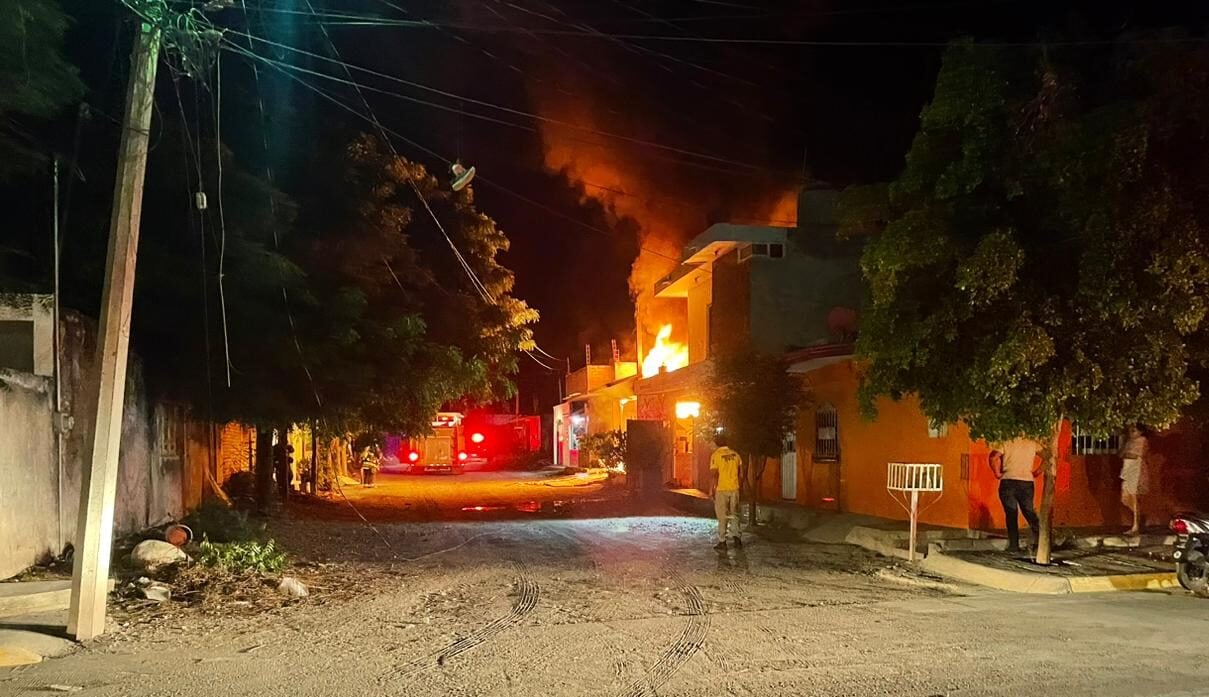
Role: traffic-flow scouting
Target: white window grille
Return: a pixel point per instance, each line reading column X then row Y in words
column 827, row 435
column 1083, row 443
column 936, row 430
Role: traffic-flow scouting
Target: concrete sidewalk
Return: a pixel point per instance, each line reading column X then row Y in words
column 1090, row 563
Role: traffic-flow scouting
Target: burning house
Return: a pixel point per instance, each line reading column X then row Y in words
column 774, row 289
column 769, row 288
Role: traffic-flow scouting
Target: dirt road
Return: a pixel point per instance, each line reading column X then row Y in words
column 470, row 496
column 636, row 606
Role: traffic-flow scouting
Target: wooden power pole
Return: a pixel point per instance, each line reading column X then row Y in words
column 94, row 531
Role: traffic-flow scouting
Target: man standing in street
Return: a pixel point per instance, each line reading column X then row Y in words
column 724, row 466
column 1016, row 465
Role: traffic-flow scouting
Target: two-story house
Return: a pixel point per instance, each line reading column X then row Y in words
column 771, row 289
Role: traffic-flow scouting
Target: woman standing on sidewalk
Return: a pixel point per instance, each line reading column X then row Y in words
column 1133, row 474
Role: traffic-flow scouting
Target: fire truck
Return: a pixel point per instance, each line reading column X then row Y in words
column 460, row 441
column 443, row 451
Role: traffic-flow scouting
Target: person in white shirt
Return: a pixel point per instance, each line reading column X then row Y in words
column 1015, row 465
column 1133, row 474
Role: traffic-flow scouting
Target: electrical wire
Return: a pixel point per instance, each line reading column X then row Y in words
column 201, row 224
column 222, row 220
column 480, row 102
column 420, row 147
column 475, row 280
column 281, row 65
column 377, row 22
column 386, row 130
column 268, row 167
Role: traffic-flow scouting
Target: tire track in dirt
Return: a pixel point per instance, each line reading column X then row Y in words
column 528, row 594
column 686, row 645
column 676, row 655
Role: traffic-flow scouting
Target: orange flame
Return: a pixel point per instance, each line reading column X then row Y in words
column 665, row 354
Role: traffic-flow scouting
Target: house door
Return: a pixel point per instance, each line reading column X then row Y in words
column 789, row 468
column 648, row 455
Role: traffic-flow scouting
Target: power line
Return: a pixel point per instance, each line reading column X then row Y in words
column 487, row 104
column 268, row 168
column 479, row 178
column 222, row 220
column 703, row 166
column 282, row 65
column 373, row 21
column 418, row 146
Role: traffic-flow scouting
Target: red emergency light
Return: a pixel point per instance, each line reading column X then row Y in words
column 413, row 456
column 462, row 457
column 477, row 438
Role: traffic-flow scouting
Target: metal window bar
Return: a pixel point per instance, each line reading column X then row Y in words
column 171, row 430
column 827, row 441
column 1083, row 443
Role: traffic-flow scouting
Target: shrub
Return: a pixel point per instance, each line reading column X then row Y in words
column 606, row 448
column 220, row 523
column 241, row 486
column 242, row 557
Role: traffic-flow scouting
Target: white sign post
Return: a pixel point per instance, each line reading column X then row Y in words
column 909, row 479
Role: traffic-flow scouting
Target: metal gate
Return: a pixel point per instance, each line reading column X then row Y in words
column 648, row 455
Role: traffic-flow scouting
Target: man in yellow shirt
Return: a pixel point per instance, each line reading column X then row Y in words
column 724, row 466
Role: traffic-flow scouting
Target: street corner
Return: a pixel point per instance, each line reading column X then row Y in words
column 1077, row 570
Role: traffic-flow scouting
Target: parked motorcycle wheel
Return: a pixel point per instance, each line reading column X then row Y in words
column 1192, row 579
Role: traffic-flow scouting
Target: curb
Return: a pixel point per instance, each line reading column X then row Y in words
column 31, row 597
column 1123, row 582
column 1019, row 582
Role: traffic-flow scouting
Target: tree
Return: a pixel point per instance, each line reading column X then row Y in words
column 607, row 448
column 412, row 331
column 1042, row 257
column 36, row 80
column 754, row 402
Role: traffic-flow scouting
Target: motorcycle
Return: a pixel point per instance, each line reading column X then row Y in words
column 1192, row 551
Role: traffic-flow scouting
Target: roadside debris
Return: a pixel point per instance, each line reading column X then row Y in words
column 152, row 555
column 157, row 591
column 292, row 587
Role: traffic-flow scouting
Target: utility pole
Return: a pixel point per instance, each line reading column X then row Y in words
column 94, row 531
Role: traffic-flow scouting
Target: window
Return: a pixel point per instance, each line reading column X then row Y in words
column 171, row 430
column 17, row 345
column 827, row 437
column 1090, row 444
column 936, row 430
column 772, row 250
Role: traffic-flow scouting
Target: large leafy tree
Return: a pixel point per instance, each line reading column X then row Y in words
column 409, row 328
column 754, row 401
column 1043, row 256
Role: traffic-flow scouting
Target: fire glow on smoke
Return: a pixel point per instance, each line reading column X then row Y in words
column 670, row 200
column 665, row 354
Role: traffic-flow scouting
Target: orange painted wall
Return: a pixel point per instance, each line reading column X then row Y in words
column 899, row 434
column 1088, row 493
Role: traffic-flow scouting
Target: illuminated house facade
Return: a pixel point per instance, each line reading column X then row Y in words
column 599, row 398
column 773, row 289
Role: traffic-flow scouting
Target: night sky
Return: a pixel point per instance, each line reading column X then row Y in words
column 759, row 119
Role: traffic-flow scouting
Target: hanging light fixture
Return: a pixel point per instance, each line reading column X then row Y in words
column 461, row 176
